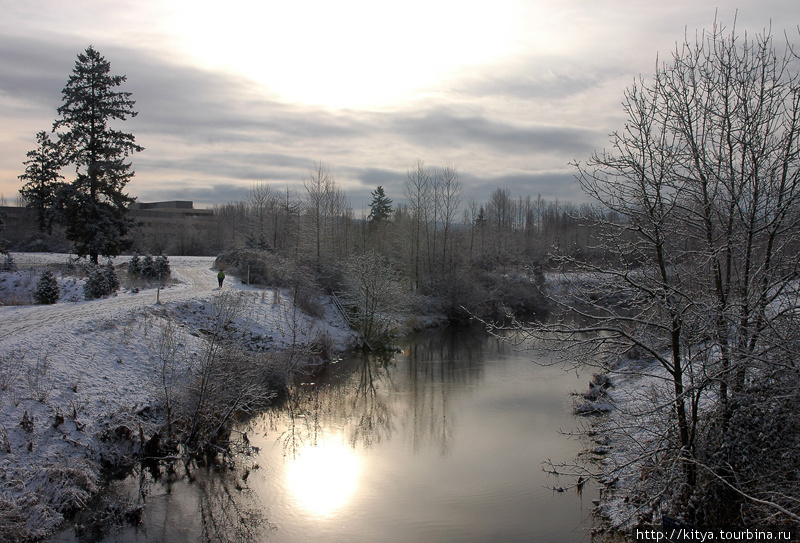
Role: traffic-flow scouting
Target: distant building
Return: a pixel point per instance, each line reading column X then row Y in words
column 173, row 227
column 149, row 212
column 14, row 215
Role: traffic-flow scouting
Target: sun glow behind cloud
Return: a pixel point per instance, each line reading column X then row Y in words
column 350, row 54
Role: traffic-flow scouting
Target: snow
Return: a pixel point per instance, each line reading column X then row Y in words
column 83, row 370
column 639, row 472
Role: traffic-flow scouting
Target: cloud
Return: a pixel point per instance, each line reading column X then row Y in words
column 208, row 134
column 514, row 122
column 34, row 71
column 443, row 128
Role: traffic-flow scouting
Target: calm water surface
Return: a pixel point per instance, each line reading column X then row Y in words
column 443, row 442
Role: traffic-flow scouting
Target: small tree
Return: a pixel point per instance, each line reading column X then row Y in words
column 380, row 207
column 148, row 268
column 135, row 265
column 372, row 293
column 161, row 266
column 102, row 281
column 8, row 264
column 47, row 289
column 2, row 226
column 42, row 175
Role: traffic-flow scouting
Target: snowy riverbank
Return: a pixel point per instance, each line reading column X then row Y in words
column 77, row 376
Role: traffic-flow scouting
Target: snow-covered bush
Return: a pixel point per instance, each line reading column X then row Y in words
column 47, row 289
column 101, row 281
column 759, row 443
column 224, row 381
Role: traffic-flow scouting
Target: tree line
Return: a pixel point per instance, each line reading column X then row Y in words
column 459, row 253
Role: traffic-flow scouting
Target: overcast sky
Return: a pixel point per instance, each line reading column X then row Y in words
column 235, row 92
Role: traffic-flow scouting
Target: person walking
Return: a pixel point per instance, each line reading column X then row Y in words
column 220, row 277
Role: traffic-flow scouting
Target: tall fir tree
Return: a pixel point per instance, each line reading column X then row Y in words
column 42, row 173
column 94, row 206
column 380, row 207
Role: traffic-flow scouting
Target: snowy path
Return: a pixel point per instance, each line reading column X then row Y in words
column 195, row 276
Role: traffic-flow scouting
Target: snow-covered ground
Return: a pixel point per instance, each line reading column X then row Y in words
column 74, row 373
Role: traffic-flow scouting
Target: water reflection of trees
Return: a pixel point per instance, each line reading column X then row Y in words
column 358, row 407
column 229, row 517
column 212, row 505
column 369, row 407
column 439, row 365
column 414, row 387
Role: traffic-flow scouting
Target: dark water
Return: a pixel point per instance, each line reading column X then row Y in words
column 443, row 442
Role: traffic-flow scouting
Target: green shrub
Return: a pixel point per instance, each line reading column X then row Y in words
column 102, row 281
column 47, row 289
column 149, row 267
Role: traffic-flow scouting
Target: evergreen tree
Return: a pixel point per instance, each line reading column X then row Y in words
column 480, row 220
column 161, row 266
column 101, row 281
column 135, row 265
column 47, row 289
column 93, row 207
column 380, row 207
column 42, row 175
column 148, row 267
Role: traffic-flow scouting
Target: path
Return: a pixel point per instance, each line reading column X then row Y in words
column 195, row 276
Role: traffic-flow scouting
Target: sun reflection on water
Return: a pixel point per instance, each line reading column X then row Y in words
column 323, row 477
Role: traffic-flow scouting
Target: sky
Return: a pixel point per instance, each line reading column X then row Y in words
column 229, row 94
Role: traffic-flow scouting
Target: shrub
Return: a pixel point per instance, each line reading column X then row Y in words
column 47, row 289
column 265, row 269
column 135, row 265
column 148, row 267
column 161, row 266
column 102, row 281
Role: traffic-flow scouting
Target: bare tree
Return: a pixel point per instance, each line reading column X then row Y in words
column 449, row 202
column 169, row 362
column 224, row 381
column 500, row 212
column 373, row 294
column 328, row 212
column 699, row 202
column 317, row 184
column 417, row 190
column 262, row 208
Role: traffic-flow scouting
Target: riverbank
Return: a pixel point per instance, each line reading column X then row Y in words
column 81, row 381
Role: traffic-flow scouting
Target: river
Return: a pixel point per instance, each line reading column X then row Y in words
column 442, row 442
